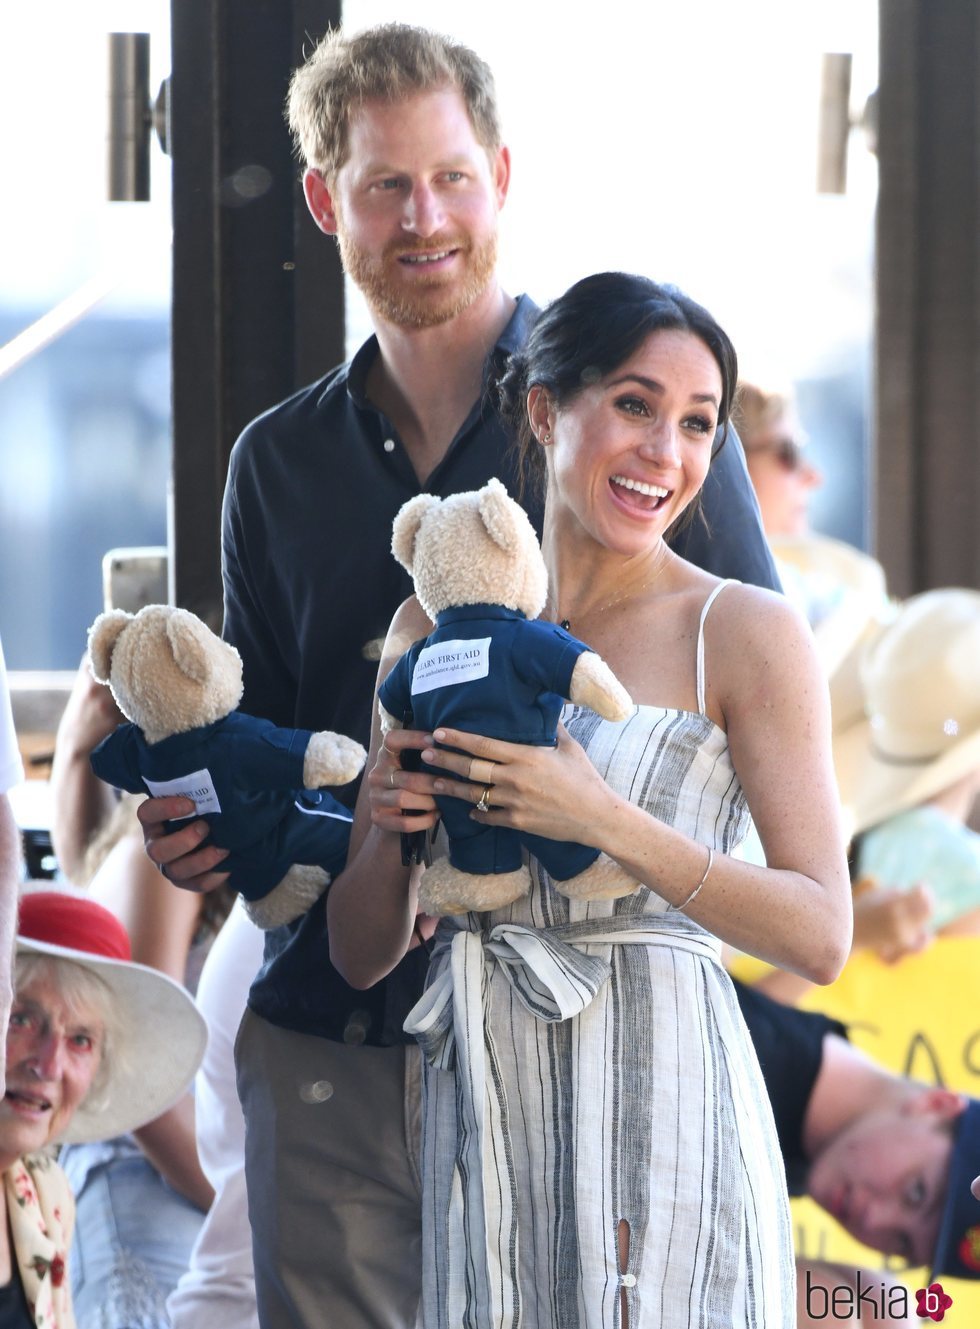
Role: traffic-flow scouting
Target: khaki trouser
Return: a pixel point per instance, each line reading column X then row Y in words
column 332, row 1168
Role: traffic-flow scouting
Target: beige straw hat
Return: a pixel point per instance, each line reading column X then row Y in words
column 846, row 585
column 921, row 729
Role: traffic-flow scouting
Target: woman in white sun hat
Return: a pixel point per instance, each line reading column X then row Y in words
column 909, row 771
column 82, row 1064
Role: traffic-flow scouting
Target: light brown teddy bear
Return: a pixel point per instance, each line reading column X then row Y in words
column 258, row 786
column 491, row 667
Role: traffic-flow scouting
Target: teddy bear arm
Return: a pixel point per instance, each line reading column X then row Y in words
column 267, row 758
column 595, row 685
column 294, row 895
column 332, row 759
column 115, row 761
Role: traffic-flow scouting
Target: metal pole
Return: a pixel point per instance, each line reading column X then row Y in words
column 835, row 124
column 130, row 117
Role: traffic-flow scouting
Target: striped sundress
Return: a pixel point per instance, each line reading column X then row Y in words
column 586, row 1063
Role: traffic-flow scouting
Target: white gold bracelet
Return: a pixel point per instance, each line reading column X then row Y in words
column 676, row 908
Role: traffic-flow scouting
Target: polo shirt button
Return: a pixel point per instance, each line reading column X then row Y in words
column 389, row 445
column 317, row 1092
column 356, row 1028
column 628, row 1280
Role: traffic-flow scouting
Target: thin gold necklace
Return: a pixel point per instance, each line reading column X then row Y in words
column 616, row 599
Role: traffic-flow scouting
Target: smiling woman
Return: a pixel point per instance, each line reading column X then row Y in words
column 612, row 377
column 82, row 1064
column 57, row 1049
column 598, row 1144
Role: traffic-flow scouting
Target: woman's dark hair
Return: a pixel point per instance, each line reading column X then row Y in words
column 586, row 334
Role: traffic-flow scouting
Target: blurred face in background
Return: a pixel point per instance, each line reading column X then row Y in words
column 884, row 1176
column 782, row 477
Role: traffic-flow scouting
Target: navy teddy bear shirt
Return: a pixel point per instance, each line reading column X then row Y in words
column 489, row 670
column 246, row 777
column 517, row 674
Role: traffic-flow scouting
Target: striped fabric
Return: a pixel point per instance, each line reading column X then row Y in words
column 586, row 1063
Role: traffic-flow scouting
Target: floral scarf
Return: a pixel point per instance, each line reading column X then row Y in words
column 41, row 1213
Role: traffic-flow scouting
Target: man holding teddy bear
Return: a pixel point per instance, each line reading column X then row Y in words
column 405, row 164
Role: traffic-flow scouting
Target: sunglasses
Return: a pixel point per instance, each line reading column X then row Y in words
column 787, row 452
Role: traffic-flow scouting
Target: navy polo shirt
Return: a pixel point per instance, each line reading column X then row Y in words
column 310, row 589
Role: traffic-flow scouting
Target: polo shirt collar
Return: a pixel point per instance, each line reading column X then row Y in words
column 175, row 743
column 357, row 372
column 463, row 613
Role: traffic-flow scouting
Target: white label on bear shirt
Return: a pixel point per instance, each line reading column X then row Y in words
column 451, row 662
column 198, row 785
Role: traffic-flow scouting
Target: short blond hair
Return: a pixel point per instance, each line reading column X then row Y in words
column 81, row 989
column 757, row 409
column 387, row 63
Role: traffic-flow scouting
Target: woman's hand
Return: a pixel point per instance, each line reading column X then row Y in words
column 554, row 792
column 401, row 800
column 81, row 803
column 90, row 714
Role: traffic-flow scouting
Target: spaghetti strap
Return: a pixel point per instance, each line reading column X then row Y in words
column 731, row 581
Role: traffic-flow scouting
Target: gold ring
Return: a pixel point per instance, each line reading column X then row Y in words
column 484, row 803
column 485, row 773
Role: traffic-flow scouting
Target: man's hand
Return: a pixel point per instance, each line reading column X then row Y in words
column 179, row 855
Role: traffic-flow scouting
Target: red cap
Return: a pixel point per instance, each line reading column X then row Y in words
column 74, row 922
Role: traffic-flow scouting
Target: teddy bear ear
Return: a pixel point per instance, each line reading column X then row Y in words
column 406, row 527
column 102, row 638
column 192, row 643
column 502, row 517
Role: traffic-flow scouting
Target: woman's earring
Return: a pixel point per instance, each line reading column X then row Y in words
column 546, row 438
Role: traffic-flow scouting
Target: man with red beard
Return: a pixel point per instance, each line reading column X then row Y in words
column 406, row 166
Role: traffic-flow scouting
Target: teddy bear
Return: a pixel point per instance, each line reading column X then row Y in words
column 257, row 785
column 492, row 667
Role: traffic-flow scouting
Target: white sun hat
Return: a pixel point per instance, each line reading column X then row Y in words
column 921, row 728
